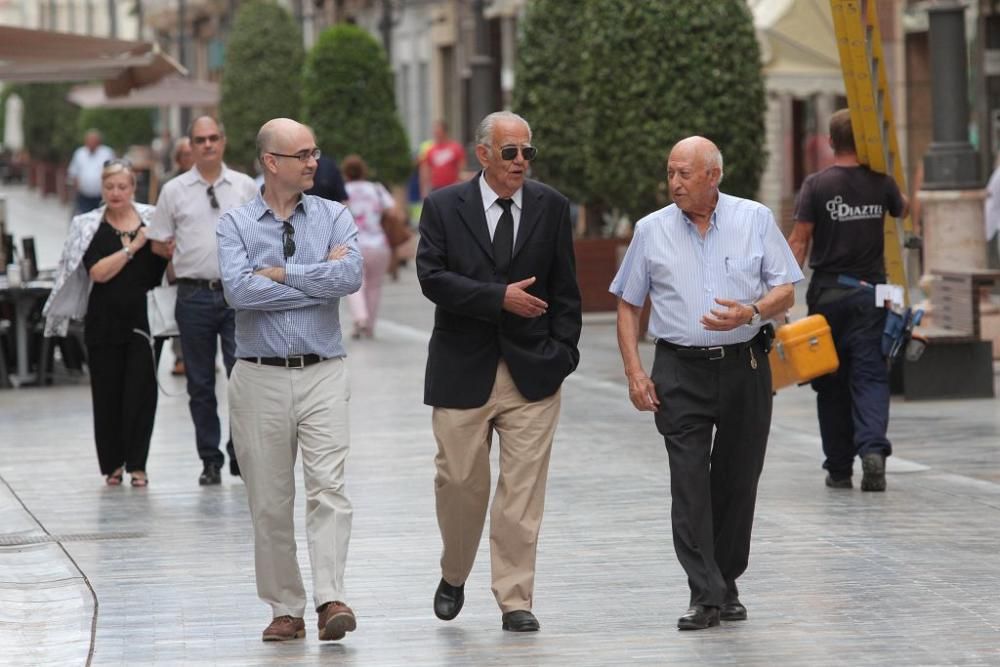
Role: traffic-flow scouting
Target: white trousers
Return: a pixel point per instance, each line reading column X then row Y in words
column 275, row 412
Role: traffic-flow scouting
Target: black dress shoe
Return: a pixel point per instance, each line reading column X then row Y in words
column 234, row 465
column 733, row 611
column 843, row 483
column 448, row 600
column 520, row 620
column 698, row 617
column 210, row 475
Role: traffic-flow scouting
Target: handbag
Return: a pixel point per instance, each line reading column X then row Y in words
column 397, row 232
column 160, row 304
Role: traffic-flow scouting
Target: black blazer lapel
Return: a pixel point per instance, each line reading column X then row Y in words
column 470, row 209
column 533, row 207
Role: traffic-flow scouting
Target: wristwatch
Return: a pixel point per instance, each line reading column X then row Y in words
column 128, row 253
column 755, row 318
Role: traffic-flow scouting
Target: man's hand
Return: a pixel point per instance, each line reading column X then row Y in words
column 519, row 302
column 275, row 273
column 338, row 252
column 642, row 392
column 735, row 315
column 164, row 248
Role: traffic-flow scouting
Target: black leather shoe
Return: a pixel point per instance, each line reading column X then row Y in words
column 234, row 465
column 448, row 600
column 210, row 475
column 874, row 467
column 733, row 611
column 520, row 620
column 844, row 483
column 698, row 617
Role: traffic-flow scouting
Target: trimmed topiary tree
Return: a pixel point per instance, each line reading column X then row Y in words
column 348, row 100
column 120, row 128
column 51, row 131
column 262, row 76
column 650, row 74
column 548, row 80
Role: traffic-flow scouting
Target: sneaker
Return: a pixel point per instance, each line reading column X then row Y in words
column 874, row 467
column 844, row 483
column 335, row 620
column 210, row 475
column 284, row 628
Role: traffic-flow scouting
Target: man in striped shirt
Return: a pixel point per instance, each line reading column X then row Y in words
column 716, row 268
column 286, row 259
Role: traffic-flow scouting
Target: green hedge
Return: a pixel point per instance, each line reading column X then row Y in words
column 51, row 132
column 262, row 76
column 629, row 81
column 349, row 101
column 120, row 128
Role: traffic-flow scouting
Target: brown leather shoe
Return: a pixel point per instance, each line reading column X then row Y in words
column 335, row 620
column 284, row 628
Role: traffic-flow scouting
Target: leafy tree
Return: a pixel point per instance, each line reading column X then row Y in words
column 650, row 73
column 262, row 77
column 50, row 122
column 349, row 101
column 120, row 128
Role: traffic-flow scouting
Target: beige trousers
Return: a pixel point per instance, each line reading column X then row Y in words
column 274, row 413
column 526, row 429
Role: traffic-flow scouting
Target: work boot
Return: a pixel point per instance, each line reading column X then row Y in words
column 874, row 467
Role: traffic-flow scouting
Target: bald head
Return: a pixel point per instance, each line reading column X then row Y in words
column 700, row 151
column 288, row 155
column 694, row 170
column 278, row 134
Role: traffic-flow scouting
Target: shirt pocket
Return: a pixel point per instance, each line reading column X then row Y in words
column 743, row 278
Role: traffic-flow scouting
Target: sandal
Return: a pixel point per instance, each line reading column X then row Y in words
column 115, row 478
column 139, row 481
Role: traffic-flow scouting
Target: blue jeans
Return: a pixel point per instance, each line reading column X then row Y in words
column 853, row 403
column 202, row 317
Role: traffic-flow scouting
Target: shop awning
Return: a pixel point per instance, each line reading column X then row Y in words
column 173, row 91
column 798, row 46
column 43, row 55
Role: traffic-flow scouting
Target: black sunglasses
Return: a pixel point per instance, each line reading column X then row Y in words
column 510, row 152
column 211, row 196
column 287, row 238
column 118, row 161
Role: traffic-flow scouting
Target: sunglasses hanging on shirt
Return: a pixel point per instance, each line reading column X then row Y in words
column 211, row 197
column 288, row 239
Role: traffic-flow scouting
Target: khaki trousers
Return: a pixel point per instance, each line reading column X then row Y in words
column 526, row 429
column 274, row 413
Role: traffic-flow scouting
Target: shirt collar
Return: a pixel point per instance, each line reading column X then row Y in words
column 719, row 211
column 489, row 196
column 260, row 205
column 193, row 177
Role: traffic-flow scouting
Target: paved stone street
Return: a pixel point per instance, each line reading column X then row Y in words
column 164, row 575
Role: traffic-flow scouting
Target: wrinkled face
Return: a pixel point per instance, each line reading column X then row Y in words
column 505, row 176
column 208, row 143
column 691, row 182
column 293, row 173
column 117, row 190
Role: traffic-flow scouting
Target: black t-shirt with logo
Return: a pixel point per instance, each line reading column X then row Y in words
column 847, row 206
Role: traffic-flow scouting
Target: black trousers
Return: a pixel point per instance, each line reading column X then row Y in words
column 123, row 388
column 713, row 479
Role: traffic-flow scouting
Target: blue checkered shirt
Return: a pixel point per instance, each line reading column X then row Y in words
column 742, row 257
column 301, row 315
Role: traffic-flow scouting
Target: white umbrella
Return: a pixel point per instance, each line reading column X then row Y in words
column 13, row 126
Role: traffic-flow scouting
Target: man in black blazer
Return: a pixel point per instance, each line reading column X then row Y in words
column 496, row 257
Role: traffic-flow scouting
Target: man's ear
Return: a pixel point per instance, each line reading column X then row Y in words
column 483, row 155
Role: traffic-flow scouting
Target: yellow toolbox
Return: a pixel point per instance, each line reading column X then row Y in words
column 802, row 351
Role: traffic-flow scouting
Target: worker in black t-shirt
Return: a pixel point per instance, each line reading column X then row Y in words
column 841, row 212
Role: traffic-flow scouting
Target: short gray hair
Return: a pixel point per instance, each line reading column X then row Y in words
column 713, row 158
column 484, row 132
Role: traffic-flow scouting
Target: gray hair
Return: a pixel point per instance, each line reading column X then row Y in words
column 713, row 158
column 218, row 124
column 484, row 132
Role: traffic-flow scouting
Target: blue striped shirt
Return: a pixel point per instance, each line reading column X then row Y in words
column 742, row 257
column 301, row 315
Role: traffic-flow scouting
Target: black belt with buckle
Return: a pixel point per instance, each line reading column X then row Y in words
column 713, row 353
column 300, row 361
column 213, row 284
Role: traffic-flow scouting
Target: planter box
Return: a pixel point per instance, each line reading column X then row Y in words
column 597, row 262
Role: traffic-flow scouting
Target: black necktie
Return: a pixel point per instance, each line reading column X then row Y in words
column 503, row 237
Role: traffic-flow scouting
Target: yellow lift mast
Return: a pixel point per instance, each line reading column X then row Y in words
column 860, row 44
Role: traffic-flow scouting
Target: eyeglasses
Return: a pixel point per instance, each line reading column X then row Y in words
column 302, row 156
column 118, row 161
column 288, row 239
column 213, row 138
column 510, row 152
column 211, row 196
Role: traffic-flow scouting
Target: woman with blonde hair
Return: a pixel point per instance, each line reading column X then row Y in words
column 368, row 202
column 104, row 273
